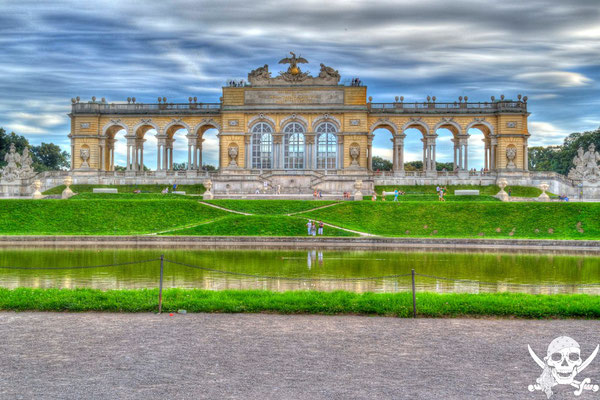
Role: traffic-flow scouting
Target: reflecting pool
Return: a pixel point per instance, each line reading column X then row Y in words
column 302, row 270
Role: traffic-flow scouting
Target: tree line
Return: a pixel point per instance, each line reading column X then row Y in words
column 560, row 158
column 46, row 156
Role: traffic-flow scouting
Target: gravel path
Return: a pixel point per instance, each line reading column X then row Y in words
column 258, row 356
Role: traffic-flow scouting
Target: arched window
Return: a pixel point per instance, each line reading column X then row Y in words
column 293, row 154
column 326, row 146
column 262, row 146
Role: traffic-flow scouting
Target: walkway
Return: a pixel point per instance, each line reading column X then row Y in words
column 258, row 356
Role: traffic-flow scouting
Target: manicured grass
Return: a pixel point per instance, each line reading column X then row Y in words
column 99, row 217
column 490, row 190
column 433, row 197
column 188, row 189
column 270, row 207
column 257, row 225
column 132, row 196
column 467, row 219
column 303, row 302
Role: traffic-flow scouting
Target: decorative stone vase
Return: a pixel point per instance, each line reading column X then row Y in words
column 208, row 195
column 85, row 156
column 37, row 185
column 511, row 154
column 502, row 195
column 354, row 153
column 233, row 155
column 358, row 184
column 544, row 197
column 68, row 181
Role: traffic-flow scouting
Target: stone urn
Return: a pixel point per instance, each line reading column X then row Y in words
column 68, row 181
column 85, row 156
column 233, row 155
column 354, row 153
column 502, row 195
column 358, row 184
column 511, row 154
column 543, row 187
column 208, row 195
column 37, row 185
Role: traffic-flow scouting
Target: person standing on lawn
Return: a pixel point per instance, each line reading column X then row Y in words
column 321, row 225
column 308, row 226
column 313, row 228
column 396, row 195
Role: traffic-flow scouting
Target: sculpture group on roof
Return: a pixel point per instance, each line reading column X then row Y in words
column 586, row 165
column 18, row 166
column 294, row 75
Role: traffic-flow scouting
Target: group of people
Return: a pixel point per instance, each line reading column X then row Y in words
column 317, row 194
column 396, row 194
column 239, row 83
column 314, row 227
column 356, row 82
column 347, row 196
column 441, row 191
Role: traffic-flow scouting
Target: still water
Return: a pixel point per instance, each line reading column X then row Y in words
column 500, row 272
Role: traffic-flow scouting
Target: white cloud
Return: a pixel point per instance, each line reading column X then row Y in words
column 556, row 78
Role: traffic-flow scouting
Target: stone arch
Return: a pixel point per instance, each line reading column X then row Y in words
column 261, row 118
column 110, row 129
column 174, row 126
column 487, row 131
column 294, row 118
column 384, row 124
column 417, row 124
column 326, row 118
column 452, row 126
column 144, row 126
column 205, row 124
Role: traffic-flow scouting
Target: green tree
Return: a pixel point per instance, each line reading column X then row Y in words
column 49, row 157
column 381, row 164
column 5, row 142
column 413, row 166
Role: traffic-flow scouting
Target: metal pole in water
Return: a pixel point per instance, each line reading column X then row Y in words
column 160, row 285
column 414, row 295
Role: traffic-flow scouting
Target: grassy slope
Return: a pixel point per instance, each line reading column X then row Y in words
column 490, row 190
column 467, row 219
column 188, row 189
column 99, row 217
column 434, row 197
column 270, row 207
column 303, row 302
column 256, row 225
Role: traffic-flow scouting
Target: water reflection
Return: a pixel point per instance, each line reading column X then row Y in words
column 503, row 271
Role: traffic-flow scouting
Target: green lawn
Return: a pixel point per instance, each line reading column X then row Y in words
column 257, row 225
column 270, row 207
column 99, row 217
column 467, row 219
column 132, row 196
column 433, row 197
column 490, row 190
column 303, row 302
column 188, row 189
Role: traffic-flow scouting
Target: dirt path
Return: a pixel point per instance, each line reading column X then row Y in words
column 258, row 356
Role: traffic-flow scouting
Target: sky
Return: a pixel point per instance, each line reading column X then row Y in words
column 51, row 51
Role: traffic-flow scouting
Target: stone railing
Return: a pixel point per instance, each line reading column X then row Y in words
column 142, row 108
column 459, row 108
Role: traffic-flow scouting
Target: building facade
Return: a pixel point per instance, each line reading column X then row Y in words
column 295, row 130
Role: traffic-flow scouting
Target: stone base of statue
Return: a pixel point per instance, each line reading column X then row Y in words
column 543, row 197
column 67, row 193
column 358, row 196
column 208, row 195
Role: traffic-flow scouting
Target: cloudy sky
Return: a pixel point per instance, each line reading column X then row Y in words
column 548, row 50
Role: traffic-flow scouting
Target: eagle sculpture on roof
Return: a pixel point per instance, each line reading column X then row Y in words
column 293, row 61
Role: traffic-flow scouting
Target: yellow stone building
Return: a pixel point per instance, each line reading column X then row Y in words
column 297, row 131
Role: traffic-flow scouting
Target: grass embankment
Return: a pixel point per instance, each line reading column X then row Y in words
column 257, row 225
column 433, row 197
column 489, row 190
column 188, row 189
column 467, row 219
column 270, row 207
column 100, row 217
column 303, row 302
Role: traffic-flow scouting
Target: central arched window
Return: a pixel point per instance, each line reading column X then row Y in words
column 326, row 146
column 262, row 146
column 293, row 155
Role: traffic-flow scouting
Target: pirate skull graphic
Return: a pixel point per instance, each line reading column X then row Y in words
column 561, row 365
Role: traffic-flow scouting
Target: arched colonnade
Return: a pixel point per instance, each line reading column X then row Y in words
column 460, row 139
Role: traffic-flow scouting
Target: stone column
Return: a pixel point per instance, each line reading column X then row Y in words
column 370, row 153
column 72, row 155
column 112, row 158
column 247, row 151
column 102, row 158
column 340, row 153
column 494, row 146
column 433, row 159
column 394, row 154
column 466, row 155
column 199, row 150
column 142, row 155
column 171, row 158
column 455, row 153
column 128, row 167
column 525, row 157
column 425, row 161
column 485, row 154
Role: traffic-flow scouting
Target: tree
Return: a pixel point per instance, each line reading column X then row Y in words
column 208, row 167
column 381, row 164
column 439, row 166
column 413, row 166
column 49, row 157
column 5, row 142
